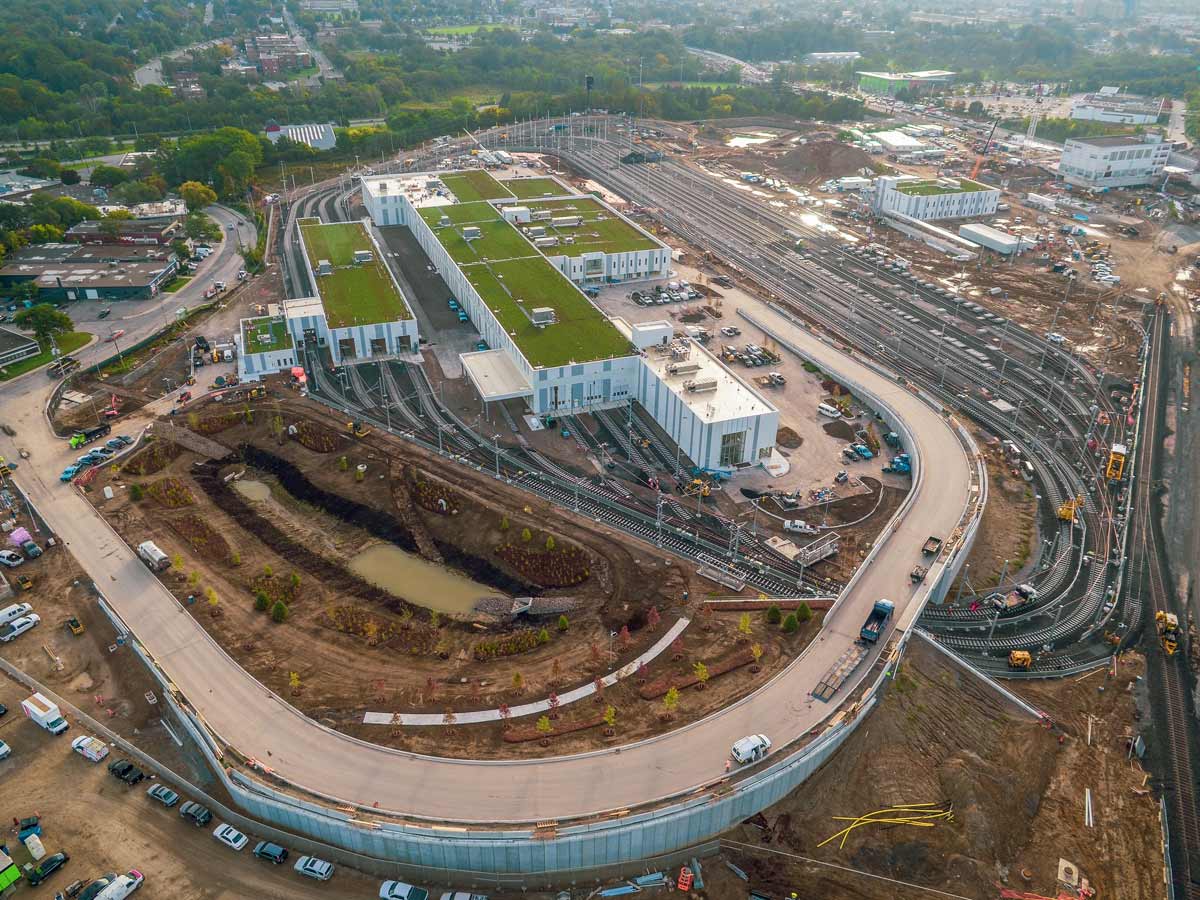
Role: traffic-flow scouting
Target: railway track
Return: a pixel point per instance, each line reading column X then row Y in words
column 1172, row 702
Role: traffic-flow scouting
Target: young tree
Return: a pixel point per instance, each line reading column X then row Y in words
column 294, row 682
column 756, row 651
column 544, row 727
column 44, row 321
column 431, row 688
column 552, row 701
column 261, row 601
column 526, row 535
column 624, row 637
column 671, row 700
column 543, row 636
column 397, row 723
column 449, row 719
column 518, row 682
column 790, row 624
column 774, row 614
column 598, row 686
column 641, row 671
column 610, row 720
column 505, row 715
column 107, row 176
column 550, row 543
column 563, row 623
column 197, row 195
column 803, row 612
column 555, row 671
column 504, row 526
column 653, row 618
column 701, row 672
column 136, row 492
column 279, row 611
column 744, row 625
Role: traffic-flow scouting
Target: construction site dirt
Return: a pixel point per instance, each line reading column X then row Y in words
column 278, row 530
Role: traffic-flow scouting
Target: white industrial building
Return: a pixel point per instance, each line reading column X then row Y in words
column 993, row 238
column 548, row 344
column 1110, row 105
column 716, row 417
column 928, row 199
column 1114, row 162
column 898, row 142
column 832, row 58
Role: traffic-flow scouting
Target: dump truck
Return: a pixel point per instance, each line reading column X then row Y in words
column 877, row 621
column 931, row 546
column 87, row 435
column 1168, row 631
column 917, row 575
column 45, row 713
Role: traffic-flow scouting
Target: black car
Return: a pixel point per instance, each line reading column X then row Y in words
column 47, row 867
column 126, row 771
column 199, row 815
column 271, row 852
column 3, row 709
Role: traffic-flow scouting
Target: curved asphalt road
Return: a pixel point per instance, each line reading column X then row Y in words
column 245, row 715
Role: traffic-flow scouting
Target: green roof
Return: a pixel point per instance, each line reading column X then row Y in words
column 496, row 240
column 581, row 333
column 528, row 188
column 475, row 184
column 353, row 294
column 459, row 213
column 602, row 230
column 265, row 335
column 926, row 188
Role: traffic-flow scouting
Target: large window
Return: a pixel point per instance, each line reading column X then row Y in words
column 732, row 446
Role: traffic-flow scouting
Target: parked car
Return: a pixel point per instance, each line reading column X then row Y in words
column 108, row 887
column 10, row 558
column 18, row 627
column 271, row 852
column 125, row 440
column 462, row 895
column 125, row 771
column 90, row 748
column 104, row 314
column 199, row 815
column 163, row 795
column 311, row 867
column 751, row 748
column 731, row 331
column 120, row 332
column 5, row 750
column 398, row 890
column 115, row 444
column 70, row 471
column 102, row 452
column 47, row 867
column 230, row 837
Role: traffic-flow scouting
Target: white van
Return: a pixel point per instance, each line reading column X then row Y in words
column 830, row 411
column 90, row 748
column 9, row 613
column 751, row 748
column 154, row 558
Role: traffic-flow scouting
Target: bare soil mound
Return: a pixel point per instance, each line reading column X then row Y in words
column 821, row 159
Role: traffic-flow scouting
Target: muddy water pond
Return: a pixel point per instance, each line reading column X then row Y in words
column 252, row 490
column 417, row 580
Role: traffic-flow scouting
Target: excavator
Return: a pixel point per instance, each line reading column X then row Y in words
column 1066, row 512
column 358, row 429
column 1020, row 659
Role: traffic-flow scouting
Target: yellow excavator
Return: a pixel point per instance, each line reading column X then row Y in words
column 358, row 429
column 1020, row 659
column 698, row 486
column 1066, row 512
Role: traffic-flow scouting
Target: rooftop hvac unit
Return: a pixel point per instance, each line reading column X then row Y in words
column 540, row 215
column 470, row 232
column 683, row 368
column 444, row 221
column 383, row 187
column 566, row 221
column 542, row 315
column 545, row 241
column 701, row 385
column 535, row 231
column 363, row 256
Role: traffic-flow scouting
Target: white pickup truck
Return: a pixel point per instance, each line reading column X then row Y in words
column 800, row 526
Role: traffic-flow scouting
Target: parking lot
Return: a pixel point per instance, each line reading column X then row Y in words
column 106, row 826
